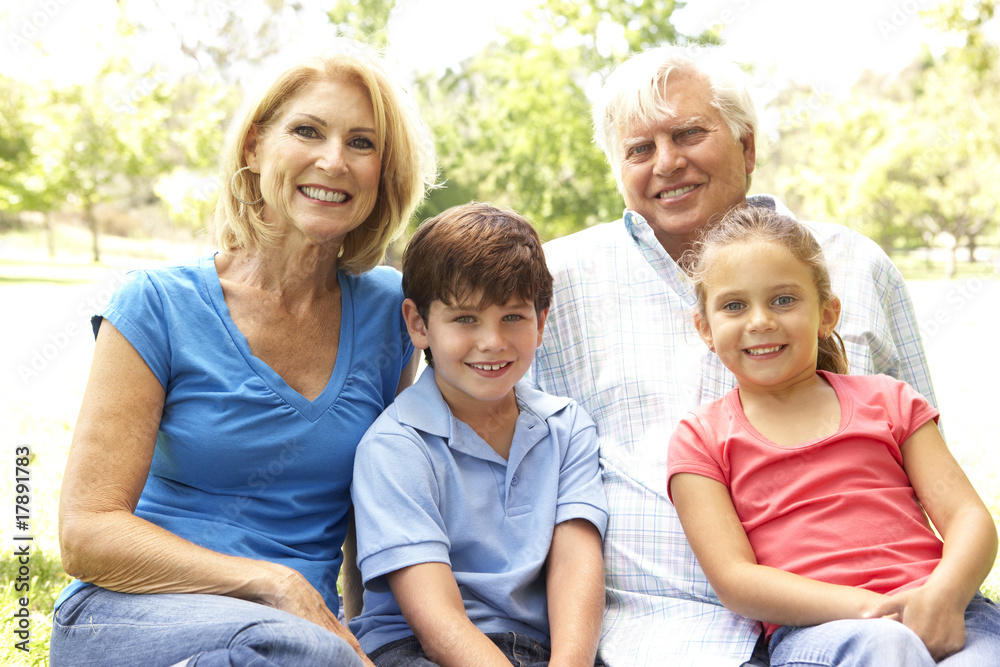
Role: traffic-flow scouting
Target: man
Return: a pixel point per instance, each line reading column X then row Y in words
column 678, row 128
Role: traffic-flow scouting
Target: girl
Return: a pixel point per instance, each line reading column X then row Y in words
column 802, row 491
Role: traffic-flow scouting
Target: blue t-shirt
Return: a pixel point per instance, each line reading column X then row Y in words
column 245, row 465
column 427, row 488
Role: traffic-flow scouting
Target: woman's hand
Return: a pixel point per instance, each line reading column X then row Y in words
column 294, row 594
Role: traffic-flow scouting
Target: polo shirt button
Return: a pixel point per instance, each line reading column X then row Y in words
column 513, row 480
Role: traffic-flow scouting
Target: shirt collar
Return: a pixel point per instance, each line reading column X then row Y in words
column 423, row 408
column 645, row 239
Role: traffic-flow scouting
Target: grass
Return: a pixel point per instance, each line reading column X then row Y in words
column 45, row 581
column 916, row 267
column 43, row 421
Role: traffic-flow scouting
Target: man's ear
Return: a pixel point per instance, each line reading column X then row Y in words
column 749, row 152
column 704, row 330
column 541, row 326
column 415, row 325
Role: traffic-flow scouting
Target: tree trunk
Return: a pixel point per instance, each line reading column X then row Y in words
column 972, row 248
column 95, row 233
column 50, row 234
column 952, row 266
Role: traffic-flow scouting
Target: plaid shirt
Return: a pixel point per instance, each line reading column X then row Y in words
column 620, row 340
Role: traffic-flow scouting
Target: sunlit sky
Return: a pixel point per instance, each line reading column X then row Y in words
column 825, row 45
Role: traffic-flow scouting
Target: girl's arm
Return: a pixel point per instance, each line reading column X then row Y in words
column 575, row 592
column 718, row 540
column 936, row 610
column 432, row 605
column 101, row 539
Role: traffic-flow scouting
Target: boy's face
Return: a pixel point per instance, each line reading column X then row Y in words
column 479, row 354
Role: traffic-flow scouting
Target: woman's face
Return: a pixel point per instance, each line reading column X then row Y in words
column 318, row 165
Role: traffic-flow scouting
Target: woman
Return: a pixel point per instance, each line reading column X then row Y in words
column 207, row 492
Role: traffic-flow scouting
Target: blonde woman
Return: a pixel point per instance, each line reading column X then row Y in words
column 206, row 498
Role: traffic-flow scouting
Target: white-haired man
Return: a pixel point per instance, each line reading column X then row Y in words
column 678, row 127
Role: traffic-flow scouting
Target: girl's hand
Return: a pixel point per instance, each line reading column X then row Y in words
column 935, row 617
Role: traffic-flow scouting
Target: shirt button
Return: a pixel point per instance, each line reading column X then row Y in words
column 513, row 480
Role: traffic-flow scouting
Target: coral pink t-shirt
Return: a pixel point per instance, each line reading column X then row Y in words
column 839, row 509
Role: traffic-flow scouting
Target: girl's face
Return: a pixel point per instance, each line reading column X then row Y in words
column 763, row 315
column 319, row 168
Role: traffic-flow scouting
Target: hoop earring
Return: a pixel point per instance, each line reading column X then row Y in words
column 232, row 187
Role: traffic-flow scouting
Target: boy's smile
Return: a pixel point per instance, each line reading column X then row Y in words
column 479, row 353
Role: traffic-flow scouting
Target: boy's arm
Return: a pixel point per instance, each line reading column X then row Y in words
column 936, row 610
column 575, row 591
column 718, row 540
column 432, row 605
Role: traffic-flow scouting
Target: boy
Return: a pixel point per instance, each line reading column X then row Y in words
column 479, row 505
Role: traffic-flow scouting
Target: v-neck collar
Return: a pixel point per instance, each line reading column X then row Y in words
column 311, row 410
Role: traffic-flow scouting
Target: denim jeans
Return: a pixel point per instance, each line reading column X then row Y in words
column 519, row 649
column 100, row 627
column 884, row 643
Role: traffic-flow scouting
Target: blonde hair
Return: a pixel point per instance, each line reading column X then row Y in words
column 405, row 150
column 634, row 94
column 757, row 224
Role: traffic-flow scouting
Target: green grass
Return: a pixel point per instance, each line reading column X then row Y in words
column 48, row 431
column 914, row 267
column 44, row 582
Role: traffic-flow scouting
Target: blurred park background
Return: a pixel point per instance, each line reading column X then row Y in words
column 878, row 114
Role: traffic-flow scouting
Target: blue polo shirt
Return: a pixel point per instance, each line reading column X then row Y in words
column 427, row 488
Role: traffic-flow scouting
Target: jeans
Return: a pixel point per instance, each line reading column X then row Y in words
column 519, row 649
column 100, row 627
column 884, row 643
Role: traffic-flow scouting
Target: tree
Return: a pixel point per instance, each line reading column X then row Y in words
column 363, row 20
column 910, row 158
column 16, row 154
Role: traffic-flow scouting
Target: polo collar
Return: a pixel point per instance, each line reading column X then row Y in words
column 423, row 408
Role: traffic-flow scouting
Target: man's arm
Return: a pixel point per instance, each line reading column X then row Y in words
column 905, row 331
column 429, row 598
column 575, row 591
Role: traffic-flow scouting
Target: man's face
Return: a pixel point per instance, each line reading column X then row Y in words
column 687, row 169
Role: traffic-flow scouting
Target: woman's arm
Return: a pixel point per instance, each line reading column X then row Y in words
column 575, row 591
column 432, row 605
column 936, row 610
column 101, row 539
column 718, row 540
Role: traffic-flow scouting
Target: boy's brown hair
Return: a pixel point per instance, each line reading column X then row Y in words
column 474, row 248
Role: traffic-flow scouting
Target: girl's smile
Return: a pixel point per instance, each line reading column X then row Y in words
column 763, row 315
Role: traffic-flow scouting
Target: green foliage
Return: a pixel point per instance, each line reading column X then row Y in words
column 16, row 153
column 909, row 158
column 363, row 20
